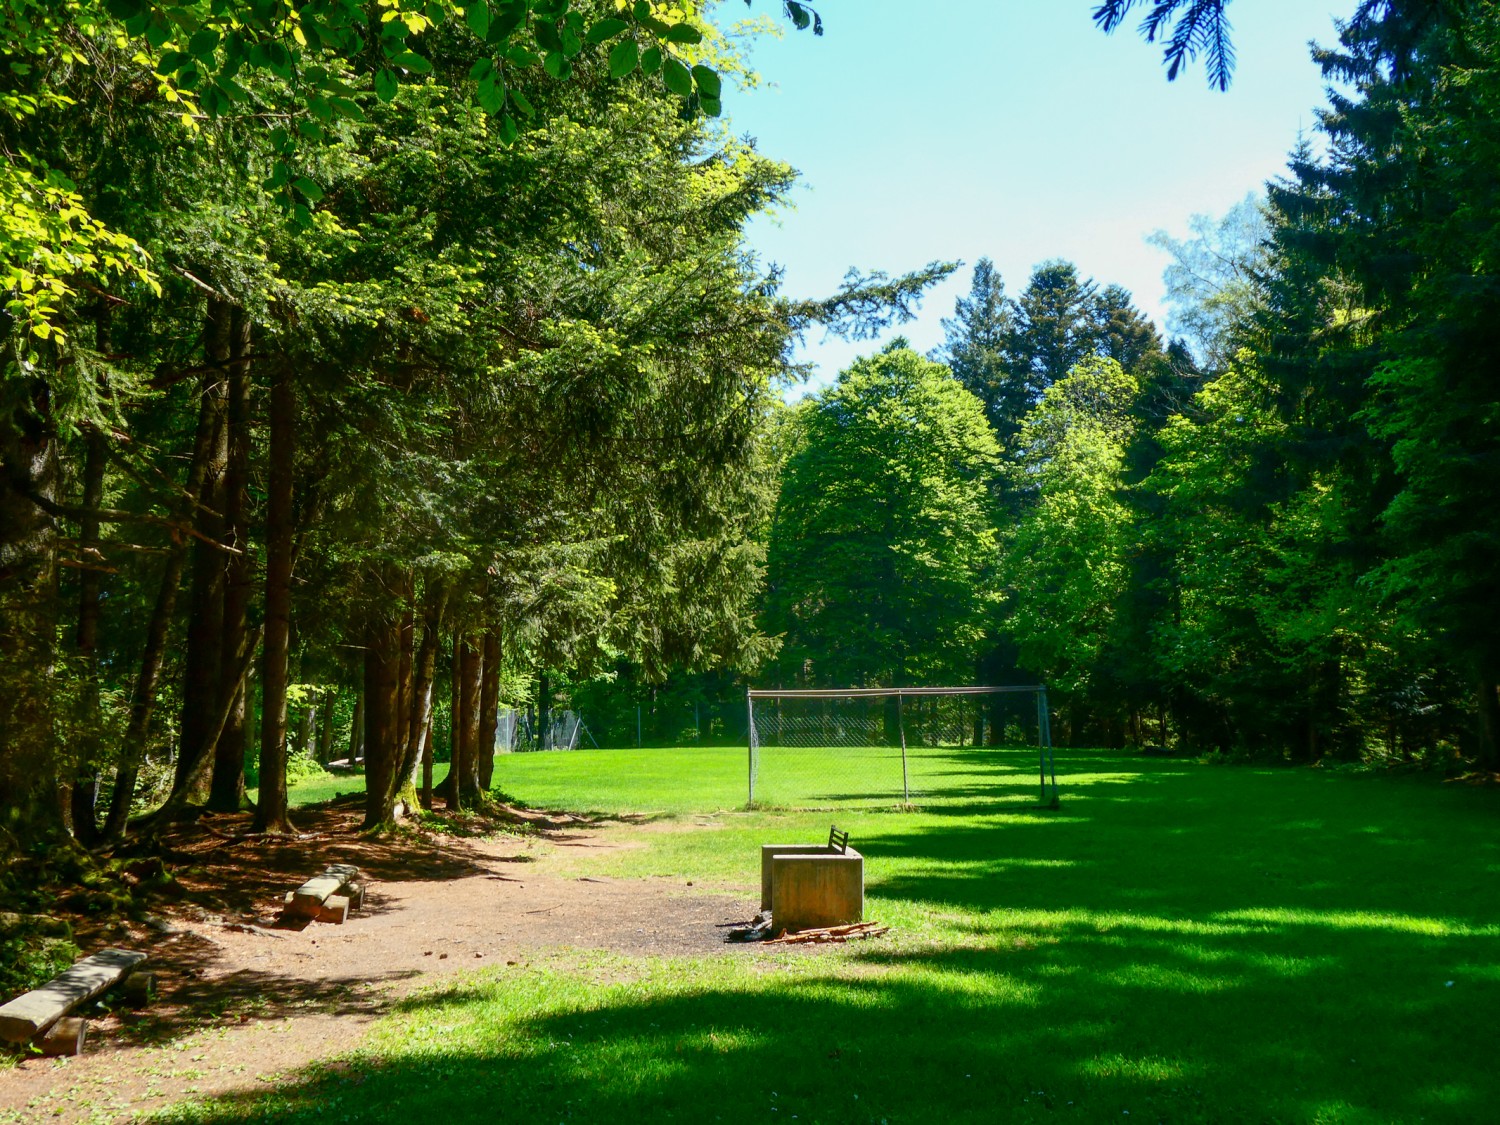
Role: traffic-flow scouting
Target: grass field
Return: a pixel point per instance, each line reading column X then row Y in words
column 1178, row 942
column 316, row 790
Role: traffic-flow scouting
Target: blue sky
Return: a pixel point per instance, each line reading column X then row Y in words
column 1013, row 129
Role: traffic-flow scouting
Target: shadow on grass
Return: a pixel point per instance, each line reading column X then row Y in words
column 1176, row 944
column 1296, row 1021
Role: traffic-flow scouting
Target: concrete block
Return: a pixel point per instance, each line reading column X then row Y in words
column 816, row 887
column 768, row 852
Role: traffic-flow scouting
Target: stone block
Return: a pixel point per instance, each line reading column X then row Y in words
column 815, row 888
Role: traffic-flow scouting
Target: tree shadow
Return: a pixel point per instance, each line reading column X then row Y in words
column 1173, row 1024
column 1176, row 942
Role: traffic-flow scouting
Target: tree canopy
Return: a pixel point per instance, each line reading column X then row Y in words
column 881, row 566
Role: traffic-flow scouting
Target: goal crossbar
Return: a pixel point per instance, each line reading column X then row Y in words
column 877, row 692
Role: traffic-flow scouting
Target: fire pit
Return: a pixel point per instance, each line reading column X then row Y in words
column 807, row 886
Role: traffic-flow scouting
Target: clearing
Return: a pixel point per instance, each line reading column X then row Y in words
column 1179, row 942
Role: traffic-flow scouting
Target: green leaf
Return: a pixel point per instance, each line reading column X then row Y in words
column 311, row 130
column 385, row 84
column 650, row 60
column 605, row 29
column 684, row 33
column 491, row 94
column 347, row 107
column 413, row 62
column 482, row 68
column 279, row 59
column 711, row 106
column 707, row 81
column 520, row 56
column 623, row 58
column 309, row 189
column 203, row 42
column 548, row 38
column 642, row 9
column 509, row 15
column 556, row 64
column 522, row 104
column 171, row 61
column 478, row 17
column 158, row 31
column 676, row 77
column 508, row 130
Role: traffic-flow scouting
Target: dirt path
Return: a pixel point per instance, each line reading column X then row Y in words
column 242, row 1000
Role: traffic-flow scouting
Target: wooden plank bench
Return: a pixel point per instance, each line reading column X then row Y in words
column 327, row 897
column 31, row 1014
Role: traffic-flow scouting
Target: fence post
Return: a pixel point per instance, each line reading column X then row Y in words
column 637, row 726
column 751, row 740
column 1044, row 741
column 901, row 726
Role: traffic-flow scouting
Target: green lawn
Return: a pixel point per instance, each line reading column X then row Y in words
column 325, row 787
column 1178, row 942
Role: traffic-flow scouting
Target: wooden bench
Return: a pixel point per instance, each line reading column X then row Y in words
column 35, row 1013
column 327, row 897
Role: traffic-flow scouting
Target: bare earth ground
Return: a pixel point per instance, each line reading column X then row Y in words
column 242, row 999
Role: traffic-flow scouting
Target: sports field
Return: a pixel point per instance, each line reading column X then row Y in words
column 1178, row 942
column 835, row 778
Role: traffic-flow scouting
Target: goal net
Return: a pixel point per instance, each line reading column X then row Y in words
column 838, row 747
column 518, row 731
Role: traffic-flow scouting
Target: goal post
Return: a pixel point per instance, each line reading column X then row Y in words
column 834, row 745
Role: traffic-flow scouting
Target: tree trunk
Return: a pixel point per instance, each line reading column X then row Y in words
column 306, row 718
column 143, row 699
column 357, row 725
column 227, row 788
column 489, row 710
column 425, row 794
column 197, row 776
column 419, row 720
column 382, row 723
column 271, row 807
column 325, row 728
column 1489, row 721
column 28, row 577
column 404, row 673
column 447, row 789
column 85, row 795
column 543, row 711
column 471, row 671
column 205, row 620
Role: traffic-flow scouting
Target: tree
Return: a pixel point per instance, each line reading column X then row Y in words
column 1202, row 27
column 327, row 53
column 881, row 565
column 1066, row 558
column 1212, row 279
column 977, row 350
column 1055, row 325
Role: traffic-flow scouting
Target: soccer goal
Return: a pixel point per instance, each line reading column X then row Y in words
column 828, row 748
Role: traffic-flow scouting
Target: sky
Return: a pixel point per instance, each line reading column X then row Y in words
column 1009, row 129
